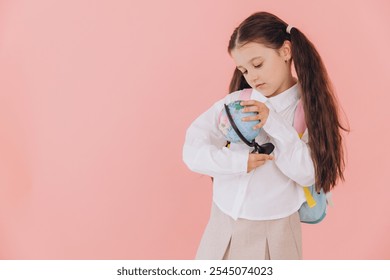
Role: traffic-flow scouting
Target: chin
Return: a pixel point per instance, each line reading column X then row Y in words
column 269, row 92
column 266, row 93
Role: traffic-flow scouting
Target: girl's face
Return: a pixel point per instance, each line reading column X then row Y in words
column 264, row 68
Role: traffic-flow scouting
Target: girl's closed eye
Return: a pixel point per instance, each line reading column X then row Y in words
column 256, row 66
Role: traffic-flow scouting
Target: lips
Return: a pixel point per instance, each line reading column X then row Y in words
column 260, row 85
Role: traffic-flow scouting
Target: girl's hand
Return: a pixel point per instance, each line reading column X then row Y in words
column 256, row 160
column 258, row 107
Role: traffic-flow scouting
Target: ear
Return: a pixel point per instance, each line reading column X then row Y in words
column 285, row 50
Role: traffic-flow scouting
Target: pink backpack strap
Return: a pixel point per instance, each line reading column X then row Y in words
column 245, row 94
column 299, row 119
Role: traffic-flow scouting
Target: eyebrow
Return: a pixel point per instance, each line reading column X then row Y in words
column 249, row 61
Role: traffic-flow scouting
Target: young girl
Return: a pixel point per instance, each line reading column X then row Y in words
column 256, row 197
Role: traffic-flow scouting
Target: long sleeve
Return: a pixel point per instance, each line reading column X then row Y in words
column 204, row 148
column 292, row 154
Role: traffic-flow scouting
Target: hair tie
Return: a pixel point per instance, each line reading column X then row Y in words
column 288, row 29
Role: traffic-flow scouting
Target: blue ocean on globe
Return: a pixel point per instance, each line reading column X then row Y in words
column 245, row 127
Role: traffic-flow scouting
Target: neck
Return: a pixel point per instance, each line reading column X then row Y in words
column 285, row 86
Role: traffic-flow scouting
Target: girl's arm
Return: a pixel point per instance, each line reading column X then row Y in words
column 204, row 148
column 292, row 154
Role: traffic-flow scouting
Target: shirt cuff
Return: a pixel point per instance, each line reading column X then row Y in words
column 239, row 160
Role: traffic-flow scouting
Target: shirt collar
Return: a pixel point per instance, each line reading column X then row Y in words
column 280, row 101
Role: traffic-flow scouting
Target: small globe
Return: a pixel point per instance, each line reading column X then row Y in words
column 245, row 127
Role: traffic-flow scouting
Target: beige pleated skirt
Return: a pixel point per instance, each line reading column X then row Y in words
column 226, row 238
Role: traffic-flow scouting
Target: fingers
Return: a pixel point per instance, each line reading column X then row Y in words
column 254, row 165
column 248, row 102
column 252, row 118
column 251, row 109
column 256, row 160
column 261, row 124
column 258, row 117
column 255, row 106
column 251, row 103
column 261, row 157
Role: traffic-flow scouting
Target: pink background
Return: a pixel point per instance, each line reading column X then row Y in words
column 95, row 98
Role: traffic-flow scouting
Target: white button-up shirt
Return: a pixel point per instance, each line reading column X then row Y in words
column 268, row 192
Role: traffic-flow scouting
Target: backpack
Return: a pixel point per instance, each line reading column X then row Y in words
column 314, row 209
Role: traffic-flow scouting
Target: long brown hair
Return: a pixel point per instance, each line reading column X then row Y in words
column 319, row 101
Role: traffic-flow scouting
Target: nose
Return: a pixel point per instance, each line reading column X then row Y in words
column 253, row 77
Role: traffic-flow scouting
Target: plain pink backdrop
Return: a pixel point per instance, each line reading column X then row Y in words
column 95, row 99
